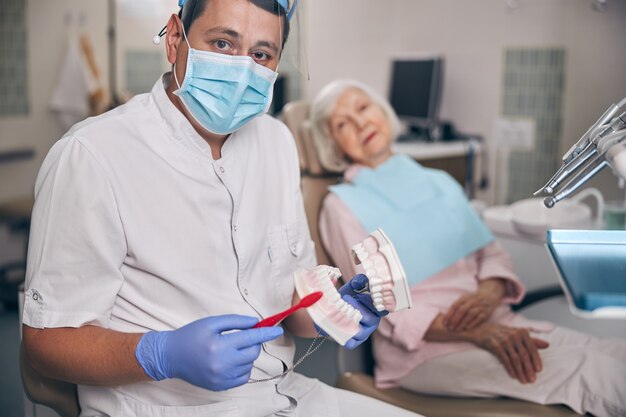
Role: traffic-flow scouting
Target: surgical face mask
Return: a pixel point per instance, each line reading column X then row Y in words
column 224, row 92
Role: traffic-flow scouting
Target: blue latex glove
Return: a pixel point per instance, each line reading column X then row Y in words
column 355, row 292
column 202, row 355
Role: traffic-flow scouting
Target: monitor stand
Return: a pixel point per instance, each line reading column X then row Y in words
column 420, row 133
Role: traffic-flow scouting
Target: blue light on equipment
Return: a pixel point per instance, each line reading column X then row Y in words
column 592, row 269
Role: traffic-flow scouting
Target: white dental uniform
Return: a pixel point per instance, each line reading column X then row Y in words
column 137, row 228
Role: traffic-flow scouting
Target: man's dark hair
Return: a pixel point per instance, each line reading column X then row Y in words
column 194, row 8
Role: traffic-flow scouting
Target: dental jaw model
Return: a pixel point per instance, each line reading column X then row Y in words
column 387, row 284
column 331, row 313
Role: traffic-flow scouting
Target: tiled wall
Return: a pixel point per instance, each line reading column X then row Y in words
column 534, row 82
column 143, row 69
column 13, row 74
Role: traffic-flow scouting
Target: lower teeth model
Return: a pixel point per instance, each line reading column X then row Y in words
column 331, row 313
column 387, row 281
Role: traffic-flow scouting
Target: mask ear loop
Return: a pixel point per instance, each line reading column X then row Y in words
column 189, row 49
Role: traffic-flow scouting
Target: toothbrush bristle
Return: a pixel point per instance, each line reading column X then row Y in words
column 311, row 299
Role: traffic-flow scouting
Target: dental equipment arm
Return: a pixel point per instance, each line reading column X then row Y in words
column 603, row 144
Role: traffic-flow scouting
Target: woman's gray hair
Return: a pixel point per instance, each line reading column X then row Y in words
column 331, row 158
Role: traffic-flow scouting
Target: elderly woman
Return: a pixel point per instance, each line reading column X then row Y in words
column 461, row 337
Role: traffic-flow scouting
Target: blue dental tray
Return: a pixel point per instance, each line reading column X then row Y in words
column 592, row 268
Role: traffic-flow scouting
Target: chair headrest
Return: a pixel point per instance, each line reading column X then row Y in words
column 295, row 115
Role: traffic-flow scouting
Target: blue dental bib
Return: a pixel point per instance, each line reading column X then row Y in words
column 423, row 211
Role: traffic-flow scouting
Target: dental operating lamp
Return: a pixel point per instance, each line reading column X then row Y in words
column 604, row 144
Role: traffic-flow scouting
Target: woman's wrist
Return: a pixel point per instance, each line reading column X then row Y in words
column 438, row 332
column 494, row 288
column 475, row 335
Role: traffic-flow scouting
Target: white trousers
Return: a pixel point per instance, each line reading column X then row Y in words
column 326, row 401
column 586, row 373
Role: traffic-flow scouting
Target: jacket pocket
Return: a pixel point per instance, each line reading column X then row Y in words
column 285, row 249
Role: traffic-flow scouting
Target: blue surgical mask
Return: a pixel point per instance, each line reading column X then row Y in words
column 224, row 92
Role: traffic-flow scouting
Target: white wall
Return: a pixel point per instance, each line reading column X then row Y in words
column 46, row 37
column 47, row 31
column 137, row 23
column 357, row 38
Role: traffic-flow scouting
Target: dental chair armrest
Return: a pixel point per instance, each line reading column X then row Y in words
column 359, row 360
column 537, row 295
column 440, row 406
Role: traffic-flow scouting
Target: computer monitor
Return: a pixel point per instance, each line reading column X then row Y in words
column 415, row 88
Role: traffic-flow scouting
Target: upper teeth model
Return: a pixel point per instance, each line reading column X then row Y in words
column 387, row 281
column 388, row 285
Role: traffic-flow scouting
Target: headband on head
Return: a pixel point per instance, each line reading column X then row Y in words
column 284, row 4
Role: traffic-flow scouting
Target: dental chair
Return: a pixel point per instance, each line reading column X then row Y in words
column 315, row 180
column 356, row 374
column 356, row 366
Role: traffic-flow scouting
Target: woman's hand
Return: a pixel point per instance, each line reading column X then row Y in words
column 514, row 348
column 471, row 310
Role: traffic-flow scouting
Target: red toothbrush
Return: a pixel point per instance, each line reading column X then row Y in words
column 307, row 301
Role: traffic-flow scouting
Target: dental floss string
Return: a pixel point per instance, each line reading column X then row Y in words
column 309, row 352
